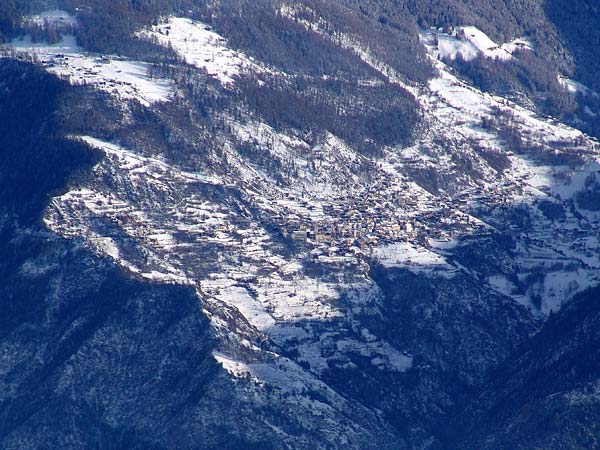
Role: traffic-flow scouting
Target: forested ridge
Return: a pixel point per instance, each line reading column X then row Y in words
column 565, row 38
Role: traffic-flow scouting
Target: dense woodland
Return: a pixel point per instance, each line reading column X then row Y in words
column 259, row 29
column 526, row 76
column 368, row 118
column 565, row 39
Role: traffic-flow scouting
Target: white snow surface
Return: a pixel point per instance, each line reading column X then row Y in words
column 450, row 47
column 123, row 78
column 200, row 46
column 470, row 42
column 139, row 165
column 575, row 87
column 416, row 259
column 67, row 44
column 250, row 307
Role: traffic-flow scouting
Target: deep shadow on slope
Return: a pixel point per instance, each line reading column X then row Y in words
column 35, row 160
column 90, row 358
column 547, row 393
column 578, row 23
column 455, row 329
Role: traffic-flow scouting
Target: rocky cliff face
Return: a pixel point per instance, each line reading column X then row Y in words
column 229, row 247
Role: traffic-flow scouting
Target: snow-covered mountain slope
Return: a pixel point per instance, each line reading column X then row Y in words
column 355, row 298
column 469, row 42
column 537, row 179
column 199, row 46
column 535, row 388
column 120, row 77
column 465, row 156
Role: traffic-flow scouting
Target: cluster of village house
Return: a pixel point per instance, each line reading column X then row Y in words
column 88, row 75
column 386, row 213
column 380, row 215
column 81, row 75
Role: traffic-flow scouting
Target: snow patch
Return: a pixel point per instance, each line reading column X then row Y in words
column 145, row 166
column 470, row 42
column 120, row 77
column 233, row 367
column 416, row 259
column 575, row 87
column 24, row 44
column 251, row 308
column 202, row 47
column 562, row 285
column 577, row 182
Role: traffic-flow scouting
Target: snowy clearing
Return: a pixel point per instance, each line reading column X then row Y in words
column 470, row 42
column 122, row 78
column 201, row 47
column 416, row 259
column 575, row 87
